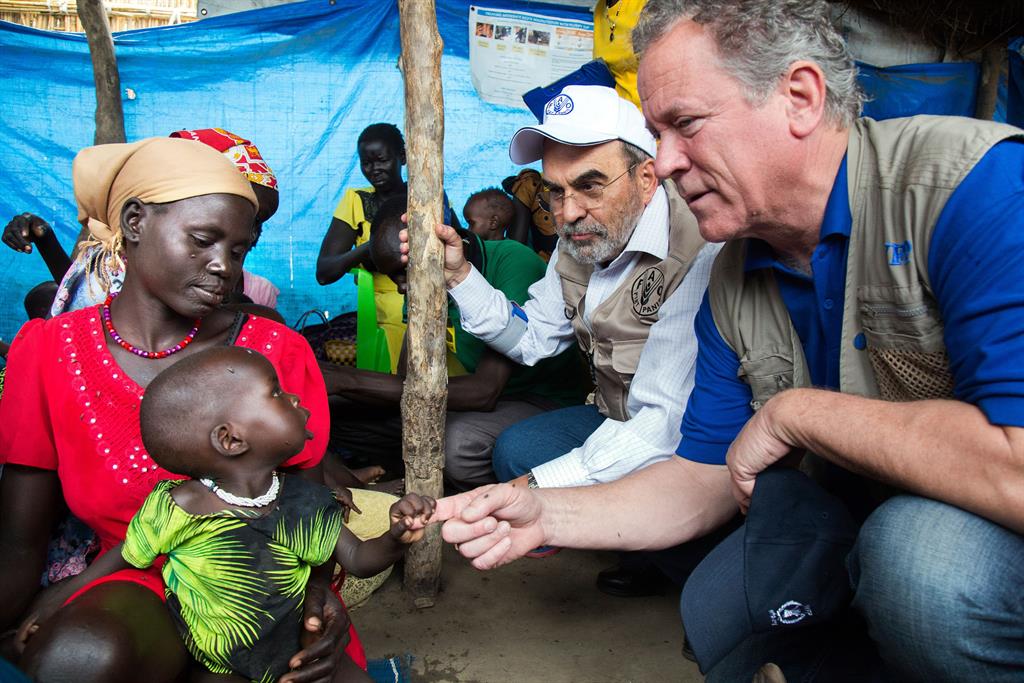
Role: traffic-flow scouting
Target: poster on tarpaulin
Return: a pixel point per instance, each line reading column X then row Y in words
column 512, row 52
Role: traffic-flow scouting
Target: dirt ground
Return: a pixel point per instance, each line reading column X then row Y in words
column 534, row 620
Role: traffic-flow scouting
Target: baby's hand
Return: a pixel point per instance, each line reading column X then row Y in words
column 344, row 498
column 409, row 516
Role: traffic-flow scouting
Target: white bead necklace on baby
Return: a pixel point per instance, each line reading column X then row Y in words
column 231, row 499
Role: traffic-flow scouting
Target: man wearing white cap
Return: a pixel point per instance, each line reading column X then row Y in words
column 625, row 284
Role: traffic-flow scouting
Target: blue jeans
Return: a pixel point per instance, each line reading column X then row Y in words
column 939, row 591
column 542, row 438
column 942, row 591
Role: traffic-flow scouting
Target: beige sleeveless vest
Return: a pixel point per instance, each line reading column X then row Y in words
column 619, row 327
column 900, row 174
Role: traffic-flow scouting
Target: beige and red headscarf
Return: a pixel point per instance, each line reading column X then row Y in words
column 239, row 150
column 156, row 170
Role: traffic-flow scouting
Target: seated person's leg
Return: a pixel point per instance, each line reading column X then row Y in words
column 543, row 438
column 940, row 589
column 109, row 634
column 366, row 435
column 470, row 438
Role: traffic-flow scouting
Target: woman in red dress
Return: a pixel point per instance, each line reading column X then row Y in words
column 69, row 419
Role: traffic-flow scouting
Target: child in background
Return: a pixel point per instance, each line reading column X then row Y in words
column 489, row 213
column 37, row 305
column 239, row 537
column 534, row 222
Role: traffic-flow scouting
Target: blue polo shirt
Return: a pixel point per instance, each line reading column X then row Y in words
column 976, row 268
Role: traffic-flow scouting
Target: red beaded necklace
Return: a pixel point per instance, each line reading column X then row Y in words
column 109, row 324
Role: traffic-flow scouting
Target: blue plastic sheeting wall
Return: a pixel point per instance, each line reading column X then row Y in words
column 300, row 80
column 917, row 88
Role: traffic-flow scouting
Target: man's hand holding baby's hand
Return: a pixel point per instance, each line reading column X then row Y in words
column 410, row 516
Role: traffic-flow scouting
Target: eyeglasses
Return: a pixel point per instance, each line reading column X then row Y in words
column 587, row 196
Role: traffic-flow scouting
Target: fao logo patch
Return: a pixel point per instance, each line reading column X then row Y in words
column 559, row 105
column 648, row 291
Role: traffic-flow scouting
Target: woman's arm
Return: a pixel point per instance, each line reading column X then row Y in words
column 29, row 501
column 337, row 256
column 25, row 229
column 481, row 390
column 365, row 386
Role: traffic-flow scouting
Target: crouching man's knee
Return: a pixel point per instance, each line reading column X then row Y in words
column 940, row 590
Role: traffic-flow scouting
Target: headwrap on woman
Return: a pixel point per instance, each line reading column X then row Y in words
column 240, row 151
column 156, row 171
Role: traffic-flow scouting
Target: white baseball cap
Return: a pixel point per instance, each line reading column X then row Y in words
column 583, row 115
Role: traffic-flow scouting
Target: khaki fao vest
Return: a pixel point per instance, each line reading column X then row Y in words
column 619, row 327
column 900, row 174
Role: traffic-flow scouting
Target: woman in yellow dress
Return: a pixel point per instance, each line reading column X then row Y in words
column 381, row 150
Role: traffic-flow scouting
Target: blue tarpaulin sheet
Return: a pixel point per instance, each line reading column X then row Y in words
column 949, row 88
column 300, row 80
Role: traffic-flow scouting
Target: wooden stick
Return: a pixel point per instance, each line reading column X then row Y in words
column 425, row 397
column 992, row 59
column 109, row 113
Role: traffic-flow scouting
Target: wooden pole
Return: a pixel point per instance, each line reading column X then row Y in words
column 109, row 114
column 425, row 397
column 992, row 59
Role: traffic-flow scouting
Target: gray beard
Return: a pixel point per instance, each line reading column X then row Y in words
column 602, row 248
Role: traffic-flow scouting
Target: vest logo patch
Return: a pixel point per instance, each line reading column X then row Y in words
column 791, row 612
column 898, row 252
column 648, row 291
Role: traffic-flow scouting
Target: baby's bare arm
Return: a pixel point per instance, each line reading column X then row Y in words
column 365, row 558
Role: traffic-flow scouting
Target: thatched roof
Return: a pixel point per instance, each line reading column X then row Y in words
column 960, row 27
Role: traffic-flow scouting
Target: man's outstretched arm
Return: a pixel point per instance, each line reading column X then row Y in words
column 665, row 504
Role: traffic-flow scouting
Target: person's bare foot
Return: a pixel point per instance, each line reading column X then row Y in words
column 369, row 475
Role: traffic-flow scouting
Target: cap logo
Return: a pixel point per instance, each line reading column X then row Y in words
column 791, row 612
column 559, row 105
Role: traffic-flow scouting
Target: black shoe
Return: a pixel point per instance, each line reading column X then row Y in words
column 688, row 650
column 628, row 582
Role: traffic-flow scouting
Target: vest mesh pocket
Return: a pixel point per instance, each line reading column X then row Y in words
column 904, row 375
